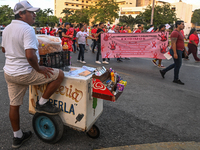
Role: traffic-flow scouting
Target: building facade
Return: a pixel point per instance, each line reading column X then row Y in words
column 184, row 12
column 73, row 5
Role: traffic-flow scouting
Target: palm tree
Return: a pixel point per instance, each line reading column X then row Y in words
column 48, row 10
column 129, row 20
column 67, row 12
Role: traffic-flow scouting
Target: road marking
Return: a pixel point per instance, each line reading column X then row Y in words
column 189, row 65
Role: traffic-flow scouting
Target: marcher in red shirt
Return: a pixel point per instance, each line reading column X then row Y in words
column 193, row 44
column 105, row 30
column 139, row 30
column 48, row 31
column 176, row 51
column 42, row 31
column 125, row 30
column 94, row 31
column 67, row 36
column 52, row 32
column 151, row 27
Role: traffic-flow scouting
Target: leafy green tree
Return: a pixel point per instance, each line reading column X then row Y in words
column 128, row 20
column 104, row 11
column 162, row 15
column 67, row 12
column 80, row 16
column 196, row 17
column 41, row 19
column 53, row 20
column 48, row 10
column 6, row 14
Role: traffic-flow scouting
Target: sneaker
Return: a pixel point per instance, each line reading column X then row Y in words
column 97, row 62
column 162, row 74
column 105, row 62
column 127, row 58
column 47, row 108
column 78, row 60
column 154, row 62
column 178, row 82
column 83, row 62
column 161, row 66
column 197, row 61
column 17, row 142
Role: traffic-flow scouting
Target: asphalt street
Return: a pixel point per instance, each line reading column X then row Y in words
column 150, row 110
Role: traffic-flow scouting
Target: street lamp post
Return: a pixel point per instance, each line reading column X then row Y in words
column 152, row 12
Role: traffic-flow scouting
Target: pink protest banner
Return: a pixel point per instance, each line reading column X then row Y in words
column 149, row 45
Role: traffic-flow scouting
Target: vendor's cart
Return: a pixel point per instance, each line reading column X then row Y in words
column 80, row 97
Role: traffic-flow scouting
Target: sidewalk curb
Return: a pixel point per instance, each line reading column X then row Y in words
column 159, row 146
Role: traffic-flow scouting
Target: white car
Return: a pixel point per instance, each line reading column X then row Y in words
column 1, row 30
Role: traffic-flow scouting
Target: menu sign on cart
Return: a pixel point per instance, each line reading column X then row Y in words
column 147, row 45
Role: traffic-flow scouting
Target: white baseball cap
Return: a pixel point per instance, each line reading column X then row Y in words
column 24, row 5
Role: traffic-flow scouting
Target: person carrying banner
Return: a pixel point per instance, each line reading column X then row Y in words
column 99, row 32
column 151, row 29
column 193, row 44
column 125, row 29
column 117, row 30
column 159, row 65
column 129, row 29
column 176, row 51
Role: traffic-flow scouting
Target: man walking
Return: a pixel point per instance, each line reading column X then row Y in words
column 21, row 68
column 176, row 51
column 99, row 32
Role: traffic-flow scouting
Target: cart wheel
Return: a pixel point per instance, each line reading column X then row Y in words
column 48, row 128
column 94, row 132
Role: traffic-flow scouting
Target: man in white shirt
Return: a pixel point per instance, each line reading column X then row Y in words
column 21, row 68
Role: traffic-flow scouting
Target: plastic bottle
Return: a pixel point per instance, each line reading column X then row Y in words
column 112, row 76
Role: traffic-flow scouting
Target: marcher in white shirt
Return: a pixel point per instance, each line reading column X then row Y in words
column 81, row 40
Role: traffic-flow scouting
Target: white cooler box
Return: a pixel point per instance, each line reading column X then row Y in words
column 74, row 96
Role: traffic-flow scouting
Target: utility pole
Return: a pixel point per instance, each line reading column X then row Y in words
column 152, row 12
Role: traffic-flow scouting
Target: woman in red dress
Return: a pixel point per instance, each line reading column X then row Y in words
column 67, row 36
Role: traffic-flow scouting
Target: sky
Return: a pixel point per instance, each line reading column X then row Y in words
column 43, row 4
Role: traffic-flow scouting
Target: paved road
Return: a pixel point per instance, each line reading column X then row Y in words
column 151, row 109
